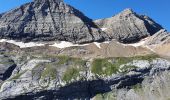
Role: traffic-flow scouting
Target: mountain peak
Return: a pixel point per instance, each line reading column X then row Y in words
column 52, row 1
column 49, row 20
column 127, row 12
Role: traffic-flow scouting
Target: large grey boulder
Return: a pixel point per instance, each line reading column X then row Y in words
column 128, row 26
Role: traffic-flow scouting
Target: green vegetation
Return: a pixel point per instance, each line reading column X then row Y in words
column 137, row 87
column 105, row 96
column 66, row 59
column 63, row 59
column 7, row 63
column 127, row 68
column 103, row 67
column 71, row 73
column 17, row 76
column 109, row 66
column 73, row 67
column 49, row 71
column 147, row 57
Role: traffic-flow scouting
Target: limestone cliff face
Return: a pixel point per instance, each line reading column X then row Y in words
column 128, row 26
column 45, row 20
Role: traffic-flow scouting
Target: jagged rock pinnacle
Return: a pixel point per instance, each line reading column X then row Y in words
column 54, row 1
column 128, row 10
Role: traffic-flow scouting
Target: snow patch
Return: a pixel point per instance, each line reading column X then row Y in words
column 97, row 44
column 103, row 29
column 22, row 44
column 64, row 44
column 141, row 43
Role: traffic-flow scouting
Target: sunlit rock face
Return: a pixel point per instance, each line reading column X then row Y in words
column 128, row 26
column 49, row 20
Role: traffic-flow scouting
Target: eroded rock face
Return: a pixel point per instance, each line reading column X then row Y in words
column 161, row 37
column 128, row 26
column 61, row 77
column 88, row 89
column 46, row 20
column 7, row 66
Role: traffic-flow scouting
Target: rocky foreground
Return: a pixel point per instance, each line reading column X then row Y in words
column 50, row 77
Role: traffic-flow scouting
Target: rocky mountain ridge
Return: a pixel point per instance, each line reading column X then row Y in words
column 51, row 20
column 128, row 26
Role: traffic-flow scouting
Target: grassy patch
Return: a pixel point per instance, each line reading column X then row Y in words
column 147, row 57
column 63, row 59
column 71, row 73
column 17, row 76
column 105, row 67
column 127, row 68
column 105, row 96
column 66, row 59
column 6, row 63
column 137, row 87
column 75, row 65
column 49, row 71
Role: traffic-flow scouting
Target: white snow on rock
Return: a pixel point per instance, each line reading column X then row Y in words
column 103, row 29
column 64, row 44
column 22, row 44
column 141, row 43
column 97, row 44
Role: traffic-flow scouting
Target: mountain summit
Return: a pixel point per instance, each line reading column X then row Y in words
column 49, row 20
column 127, row 26
column 46, row 20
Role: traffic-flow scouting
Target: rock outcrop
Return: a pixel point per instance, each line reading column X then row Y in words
column 82, row 89
column 128, row 26
column 159, row 38
column 7, row 66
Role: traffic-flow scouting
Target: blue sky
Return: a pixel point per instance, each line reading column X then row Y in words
column 158, row 10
